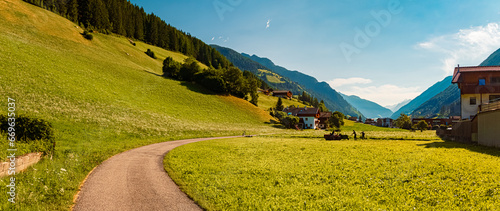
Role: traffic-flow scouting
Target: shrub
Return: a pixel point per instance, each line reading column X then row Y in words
column 212, row 80
column 289, row 121
column 32, row 131
column 87, row 35
column 171, row 68
column 189, row 69
column 150, row 53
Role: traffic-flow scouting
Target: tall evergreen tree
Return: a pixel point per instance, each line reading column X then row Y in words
column 279, row 105
column 72, row 8
column 84, row 12
column 99, row 18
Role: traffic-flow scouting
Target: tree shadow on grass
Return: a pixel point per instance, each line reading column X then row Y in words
column 471, row 147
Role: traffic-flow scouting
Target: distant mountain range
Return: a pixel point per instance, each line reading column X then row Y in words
column 397, row 106
column 368, row 108
column 422, row 98
column 295, row 81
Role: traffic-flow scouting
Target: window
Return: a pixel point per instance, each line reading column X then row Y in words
column 495, row 80
column 494, row 98
column 482, row 82
column 472, row 101
column 306, row 119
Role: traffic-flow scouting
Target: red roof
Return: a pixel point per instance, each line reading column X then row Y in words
column 302, row 111
column 459, row 70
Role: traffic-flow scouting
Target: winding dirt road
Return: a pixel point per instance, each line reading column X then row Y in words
column 136, row 180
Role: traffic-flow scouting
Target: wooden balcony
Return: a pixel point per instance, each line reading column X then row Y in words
column 489, row 106
column 476, row 89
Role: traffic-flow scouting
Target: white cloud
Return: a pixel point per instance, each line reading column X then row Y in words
column 338, row 82
column 384, row 95
column 213, row 38
column 467, row 47
column 268, row 23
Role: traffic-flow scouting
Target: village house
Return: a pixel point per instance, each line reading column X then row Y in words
column 323, row 119
column 385, row 122
column 479, row 86
column 309, row 117
column 370, row 122
column 265, row 91
column 480, row 105
column 353, row 118
column 436, row 122
column 283, row 94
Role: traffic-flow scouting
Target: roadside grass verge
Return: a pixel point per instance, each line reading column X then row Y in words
column 266, row 173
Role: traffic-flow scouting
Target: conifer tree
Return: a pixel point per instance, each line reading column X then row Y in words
column 279, row 105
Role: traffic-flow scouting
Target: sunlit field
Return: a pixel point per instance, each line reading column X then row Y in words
column 286, row 173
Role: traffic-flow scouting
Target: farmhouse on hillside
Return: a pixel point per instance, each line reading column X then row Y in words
column 323, row 119
column 480, row 105
column 283, row 94
column 309, row 117
column 265, row 91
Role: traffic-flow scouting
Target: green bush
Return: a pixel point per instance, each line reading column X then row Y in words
column 87, row 35
column 150, row 53
column 211, row 80
column 171, row 68
column 32, row 131
column 289, row 121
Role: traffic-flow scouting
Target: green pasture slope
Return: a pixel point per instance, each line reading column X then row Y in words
column 102, row 96
column 301, row 171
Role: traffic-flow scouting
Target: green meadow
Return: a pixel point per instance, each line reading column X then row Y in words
column 266, row 102
column 309, row 173
column 106, row 96
column 102, row 97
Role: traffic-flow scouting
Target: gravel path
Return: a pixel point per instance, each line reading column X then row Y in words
column 136, row 180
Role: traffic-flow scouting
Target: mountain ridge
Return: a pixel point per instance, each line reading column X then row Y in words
column 424, row 97
column 397, row 106
column 299, row 81
column 322, row 90
column 368, row 108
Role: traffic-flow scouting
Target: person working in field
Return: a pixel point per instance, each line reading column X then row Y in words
column 354, row 133
column 363, row 135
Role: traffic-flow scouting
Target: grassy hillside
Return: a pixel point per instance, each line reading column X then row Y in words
column 102, row 96
column 266, row 102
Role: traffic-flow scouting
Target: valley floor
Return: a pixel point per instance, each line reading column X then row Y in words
column 292, row 172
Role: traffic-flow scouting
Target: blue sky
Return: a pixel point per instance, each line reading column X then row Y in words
column 382, row 50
